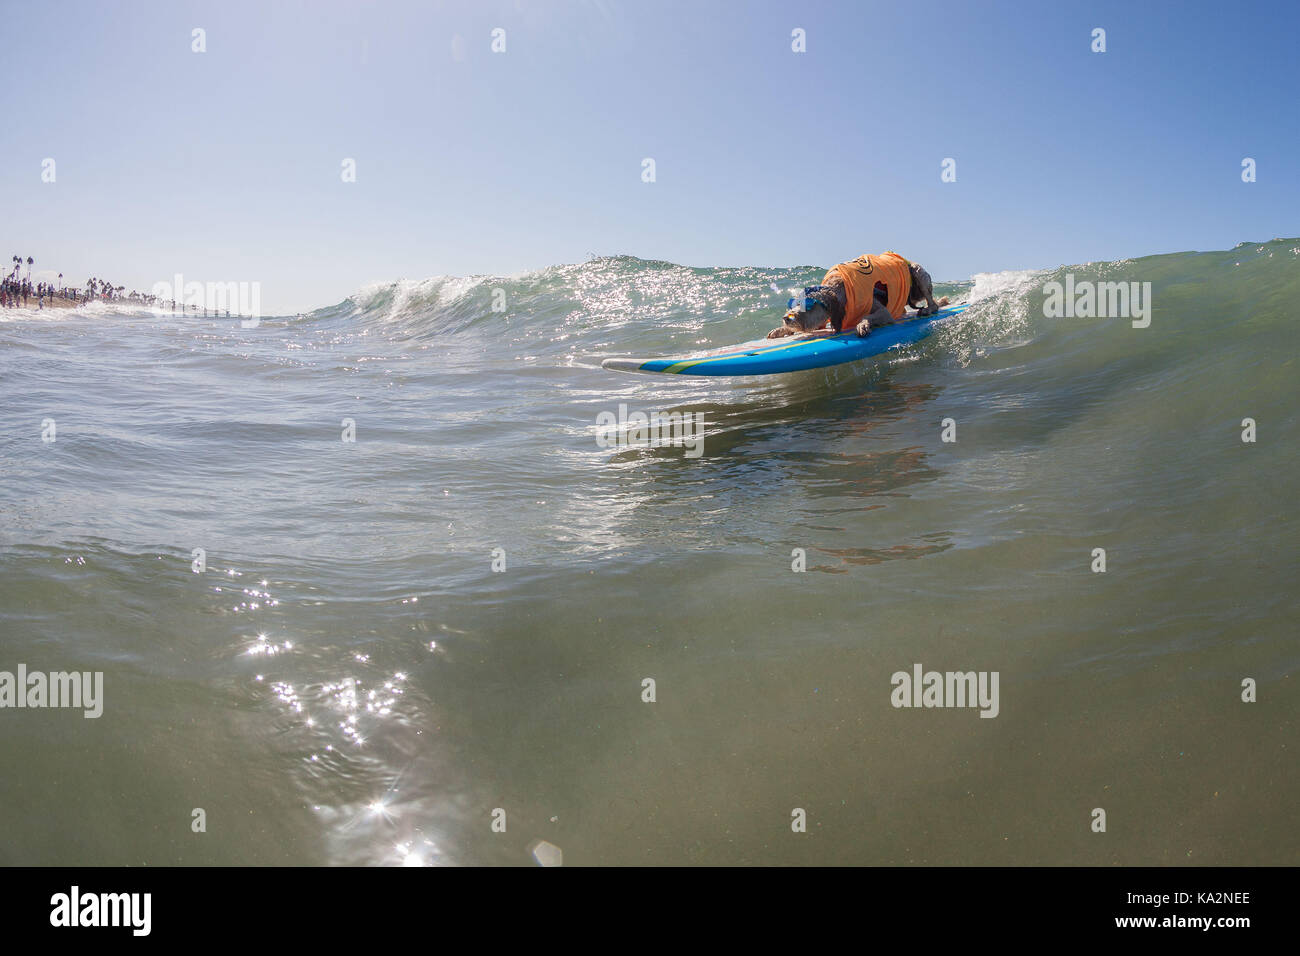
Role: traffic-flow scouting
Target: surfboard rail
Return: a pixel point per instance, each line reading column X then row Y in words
column 776, row 356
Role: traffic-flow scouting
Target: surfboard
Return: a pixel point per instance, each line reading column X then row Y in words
column 774, row 356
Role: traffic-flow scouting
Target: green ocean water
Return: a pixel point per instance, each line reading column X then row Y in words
column 350, row 680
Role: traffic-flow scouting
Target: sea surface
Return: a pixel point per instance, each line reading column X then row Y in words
column 436, row 643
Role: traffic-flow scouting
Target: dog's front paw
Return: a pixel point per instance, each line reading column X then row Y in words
column 778, row 333
column 864, row 327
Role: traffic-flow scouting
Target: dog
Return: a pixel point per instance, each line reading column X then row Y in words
column 870, row 291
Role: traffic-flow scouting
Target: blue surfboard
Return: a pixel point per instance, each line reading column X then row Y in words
column 773, row 356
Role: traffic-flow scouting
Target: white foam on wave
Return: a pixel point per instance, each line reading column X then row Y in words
column 1003, row 319
column 442, row 290
column 1012, row 282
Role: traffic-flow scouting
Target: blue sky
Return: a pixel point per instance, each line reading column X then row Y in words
column 225, row 165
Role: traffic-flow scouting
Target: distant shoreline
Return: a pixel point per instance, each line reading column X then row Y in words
column 55, row 302
column 51, row 302
column 62, row 302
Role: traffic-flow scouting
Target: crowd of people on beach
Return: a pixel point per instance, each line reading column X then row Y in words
column 18, row 291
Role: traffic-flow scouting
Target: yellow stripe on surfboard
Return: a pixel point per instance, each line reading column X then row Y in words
column 678, row 367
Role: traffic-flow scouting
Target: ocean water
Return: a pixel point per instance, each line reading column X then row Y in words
column 349, row 680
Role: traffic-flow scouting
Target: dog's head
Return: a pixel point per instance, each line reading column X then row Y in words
column 801, row 319
column 810, row 311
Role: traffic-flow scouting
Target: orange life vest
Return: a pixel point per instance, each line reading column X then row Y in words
column 862, row 275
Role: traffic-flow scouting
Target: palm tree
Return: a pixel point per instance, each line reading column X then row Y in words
column 29, row 268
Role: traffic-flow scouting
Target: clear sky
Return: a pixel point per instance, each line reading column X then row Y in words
column 225, row 165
